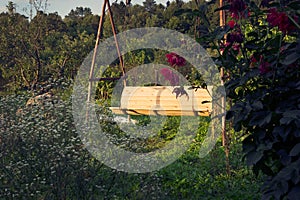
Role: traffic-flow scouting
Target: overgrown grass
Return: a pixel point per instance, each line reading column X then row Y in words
column 193, row 178
column 42, row 157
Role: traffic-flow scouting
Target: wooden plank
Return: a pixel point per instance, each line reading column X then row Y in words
column 118, row 111
column 148, row 97
column 159, row 100
column 104, row 79
column 202, row 99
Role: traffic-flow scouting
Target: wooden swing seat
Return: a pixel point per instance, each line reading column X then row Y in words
column 160, row 100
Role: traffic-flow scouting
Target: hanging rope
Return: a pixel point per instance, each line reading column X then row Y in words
column 100, row 29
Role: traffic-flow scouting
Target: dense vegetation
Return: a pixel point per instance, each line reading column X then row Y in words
column 34, row 51
column 42, row 156
column 261, row 57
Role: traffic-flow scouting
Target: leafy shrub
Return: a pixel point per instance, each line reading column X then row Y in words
column 42, row 157
column 261, row 57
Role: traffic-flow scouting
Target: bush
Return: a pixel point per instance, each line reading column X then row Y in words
column 261, row 57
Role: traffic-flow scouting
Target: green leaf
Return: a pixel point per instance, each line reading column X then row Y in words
column 286, row 120
column 183, row 11
column 226, row 7
column 294, row 5
column 290, row 59
column 253, row 157
column 295, row 150
column 292, row 113
column 273, row 42
column 248, row 146
column 260, row 118
column 289, row 116
column 250, row 45
column 257, row 105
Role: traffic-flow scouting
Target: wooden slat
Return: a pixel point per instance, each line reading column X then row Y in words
column 149, row 97
column 202, row 99
column 119, row 111
column 104, row 79
column 159, row 100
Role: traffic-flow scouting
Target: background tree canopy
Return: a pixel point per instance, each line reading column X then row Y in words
column 42, row 156
column 49, row 46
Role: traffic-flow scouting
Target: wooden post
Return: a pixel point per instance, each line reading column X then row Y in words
column 225, row 141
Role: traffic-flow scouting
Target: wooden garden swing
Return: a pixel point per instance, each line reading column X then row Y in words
column 150, row 100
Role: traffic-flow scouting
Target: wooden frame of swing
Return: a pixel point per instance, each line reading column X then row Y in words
column 150, row 100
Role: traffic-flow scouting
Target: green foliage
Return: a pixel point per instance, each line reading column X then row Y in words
column 42, row 157
column 47, row 46
column 206, row 178
column 262, row 81
column 35, row 51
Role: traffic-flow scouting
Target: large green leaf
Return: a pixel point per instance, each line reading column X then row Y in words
column 253, row 157
column 290, row 59
column 260, row 118
column 289, row 116
column 295, row 150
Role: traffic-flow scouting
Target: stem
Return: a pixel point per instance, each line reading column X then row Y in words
column 277, row 57
column 219, row 52
column 294, row 22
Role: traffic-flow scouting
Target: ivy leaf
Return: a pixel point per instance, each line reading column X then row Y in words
column 295, row 150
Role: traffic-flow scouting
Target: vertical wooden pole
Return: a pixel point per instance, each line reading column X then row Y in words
column 225, row 141
column 222, row 24
column 222, row 14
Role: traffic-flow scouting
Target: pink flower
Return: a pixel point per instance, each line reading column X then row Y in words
column 264, row 66
column 236, row 47
column 280, row 19
column 170, row 76
column 174, row 59
column 234, row 40
column 231, row 23
column 253, row 61
column 224, row 46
